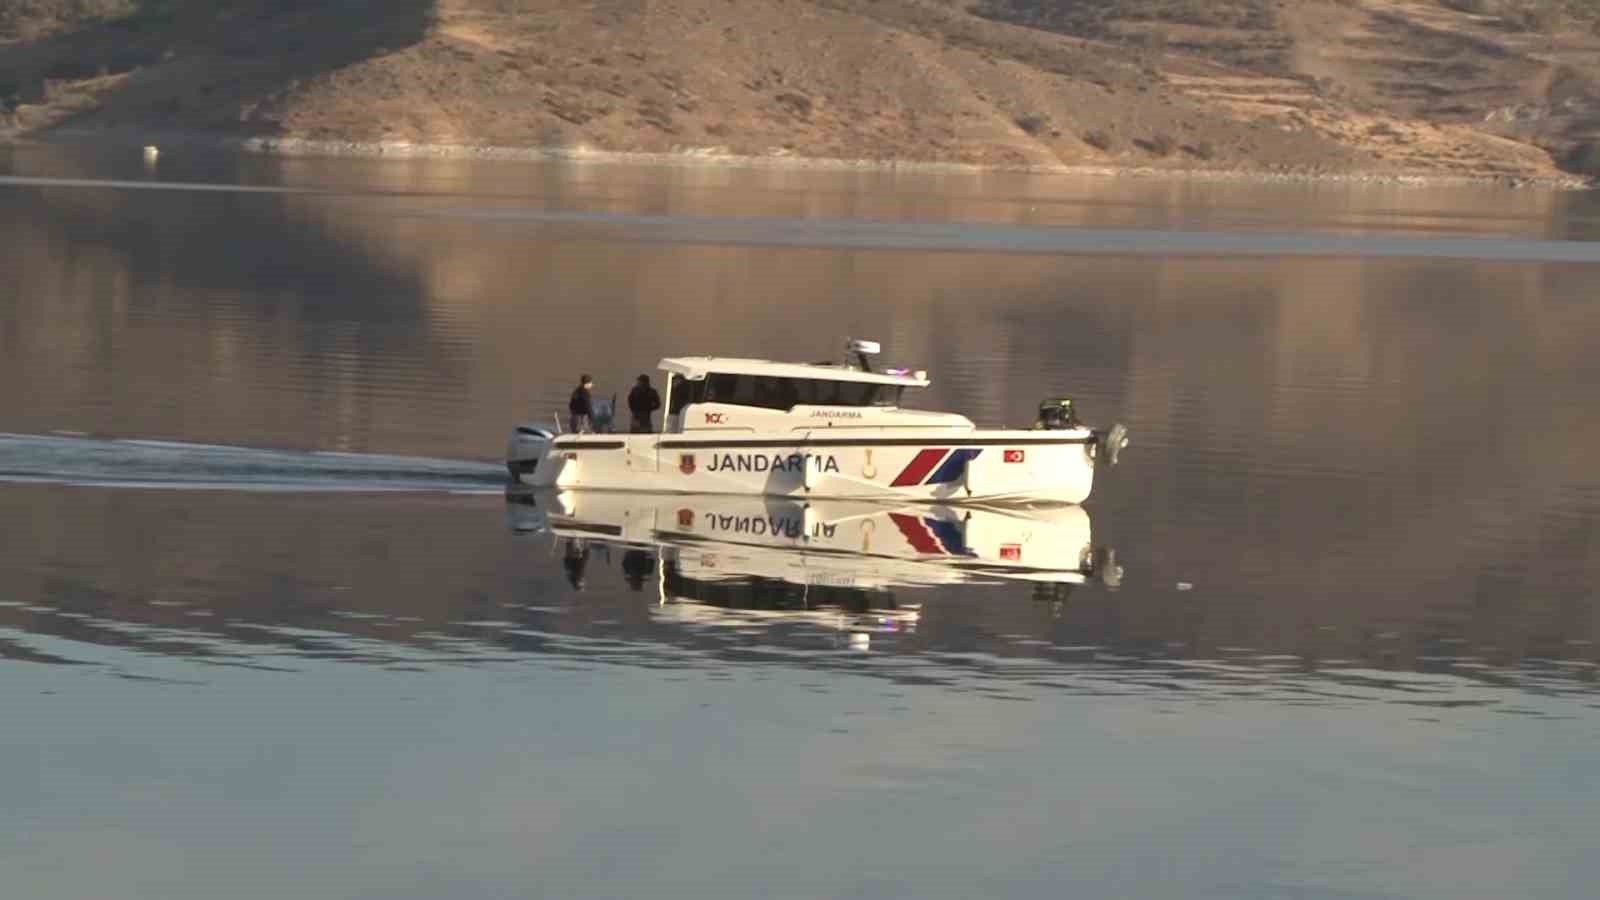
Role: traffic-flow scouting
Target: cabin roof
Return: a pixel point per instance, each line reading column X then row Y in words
column 695, row 368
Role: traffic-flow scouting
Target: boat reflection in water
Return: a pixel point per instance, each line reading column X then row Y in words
column 748, row 558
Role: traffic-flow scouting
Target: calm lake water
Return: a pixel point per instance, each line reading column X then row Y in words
column 270, row 627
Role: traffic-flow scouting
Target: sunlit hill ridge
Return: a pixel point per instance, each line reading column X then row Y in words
column 1466, row 87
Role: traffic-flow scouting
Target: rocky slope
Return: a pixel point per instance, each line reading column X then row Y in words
column 1446, row 87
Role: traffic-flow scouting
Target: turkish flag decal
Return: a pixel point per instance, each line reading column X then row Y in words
column 1013, row 456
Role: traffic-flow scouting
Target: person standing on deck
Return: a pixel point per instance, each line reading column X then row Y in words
column 643, row 401
column 581, row 406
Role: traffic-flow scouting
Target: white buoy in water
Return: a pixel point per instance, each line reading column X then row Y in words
column 151, row 153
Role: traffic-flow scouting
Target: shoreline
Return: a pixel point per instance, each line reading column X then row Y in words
column 713, row 156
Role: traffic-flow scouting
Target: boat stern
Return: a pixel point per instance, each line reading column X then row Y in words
column 528, row 445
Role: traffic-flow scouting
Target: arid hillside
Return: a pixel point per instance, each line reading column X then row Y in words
column 1447, row 87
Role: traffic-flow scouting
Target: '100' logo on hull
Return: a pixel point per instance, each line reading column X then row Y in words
column 774, row 462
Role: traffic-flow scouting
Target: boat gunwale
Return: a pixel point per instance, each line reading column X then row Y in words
column 761, row 442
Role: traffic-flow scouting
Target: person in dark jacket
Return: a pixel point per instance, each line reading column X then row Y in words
column 581, row 406
column 643, row 401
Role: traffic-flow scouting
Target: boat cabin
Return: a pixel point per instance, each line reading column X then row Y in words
column 708, row 393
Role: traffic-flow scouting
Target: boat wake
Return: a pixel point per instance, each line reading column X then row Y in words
column 174, row 465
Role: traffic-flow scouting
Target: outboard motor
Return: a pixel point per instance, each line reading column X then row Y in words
column 1057, row 414
column 527, row 446
column 1109, row 444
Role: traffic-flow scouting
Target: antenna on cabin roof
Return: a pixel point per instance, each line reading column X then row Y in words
column 862, row 350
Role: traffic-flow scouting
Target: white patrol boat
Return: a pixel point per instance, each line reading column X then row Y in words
column 823, row 430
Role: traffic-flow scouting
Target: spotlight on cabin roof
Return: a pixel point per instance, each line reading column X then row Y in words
column 859, row 346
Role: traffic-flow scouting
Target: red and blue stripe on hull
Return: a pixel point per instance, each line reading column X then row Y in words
column 936, row 465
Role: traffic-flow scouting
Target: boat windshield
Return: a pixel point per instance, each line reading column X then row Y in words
column 768, row 392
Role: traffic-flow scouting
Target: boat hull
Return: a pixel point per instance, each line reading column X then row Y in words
column 973, row 466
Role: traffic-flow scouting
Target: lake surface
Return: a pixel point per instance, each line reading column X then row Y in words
column 269, row 625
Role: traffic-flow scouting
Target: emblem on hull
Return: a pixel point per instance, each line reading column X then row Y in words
column 686, row 463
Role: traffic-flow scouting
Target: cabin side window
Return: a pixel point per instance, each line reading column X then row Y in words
column 767, row 392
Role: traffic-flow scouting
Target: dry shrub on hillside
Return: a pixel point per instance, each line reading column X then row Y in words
column 796, row 103
column 1100, row 140
column 1032, row 124
column 1160, row 145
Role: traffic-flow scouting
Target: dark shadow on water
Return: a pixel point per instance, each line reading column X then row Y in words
column 301, row 292
column 269, row 244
